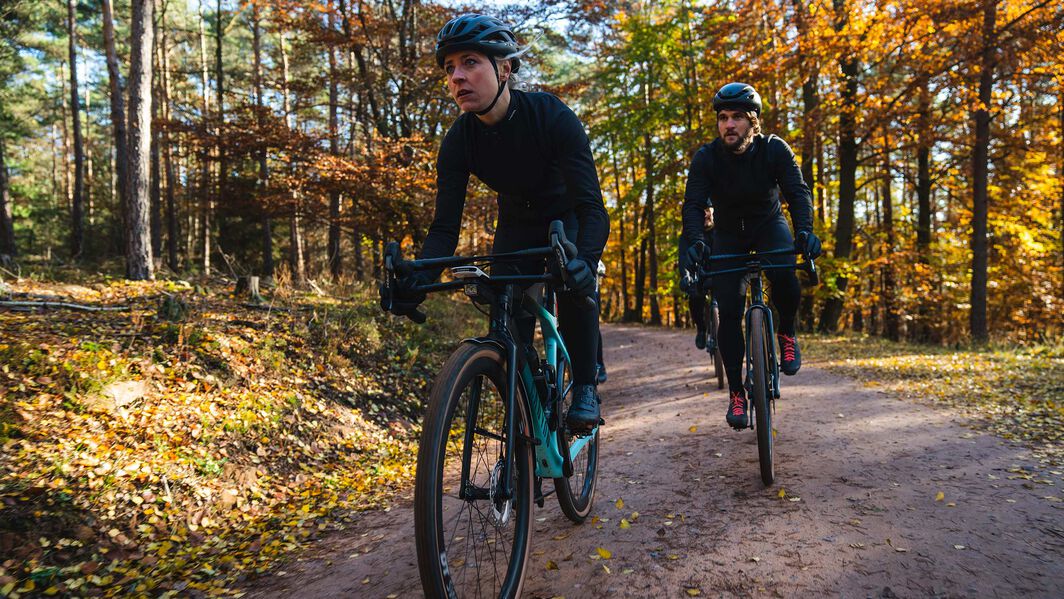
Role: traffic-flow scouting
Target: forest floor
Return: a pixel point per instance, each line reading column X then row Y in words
column 234, row 449
column 175, row 451
column 878, row 493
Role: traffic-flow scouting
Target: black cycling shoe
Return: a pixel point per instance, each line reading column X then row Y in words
column 601, row 373
column 737, row 409
column 700, row 339
column 584, row 412
column 791, row 356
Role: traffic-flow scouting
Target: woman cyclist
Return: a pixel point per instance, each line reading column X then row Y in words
column 532, row 150
column 740, row 175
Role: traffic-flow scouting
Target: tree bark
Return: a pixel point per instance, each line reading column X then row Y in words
column 296, row 257
column 625, row 312
column 890, row 308
column 832, row 312
column 77, row 216
column 7, row 226
column 264, row 173
column 207, row 205
column 652, row 246
column 156, row 213
column 978, row 317
column 223, row 166
column 810, row 102
column 139, row 265
column 172, row 229
column 333, row 247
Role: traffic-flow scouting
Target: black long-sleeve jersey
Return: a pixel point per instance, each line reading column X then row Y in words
column 538, row 159
column 744, row 189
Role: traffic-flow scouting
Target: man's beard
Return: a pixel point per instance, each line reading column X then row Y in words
column 740, row 145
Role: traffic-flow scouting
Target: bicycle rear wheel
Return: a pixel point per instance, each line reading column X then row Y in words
column 575, row 493
column 760, row 394
column 718, row 360
column 470, row 541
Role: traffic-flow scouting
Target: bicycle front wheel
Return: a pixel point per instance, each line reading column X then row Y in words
column 471, row 540
column 760, row 394
column 576, row 492
column 718, row 360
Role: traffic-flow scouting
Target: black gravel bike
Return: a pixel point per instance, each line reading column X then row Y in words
column 762, row 379
column 494, row 428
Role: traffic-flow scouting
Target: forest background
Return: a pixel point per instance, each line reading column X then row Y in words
column 292, row 139
column 168, row 435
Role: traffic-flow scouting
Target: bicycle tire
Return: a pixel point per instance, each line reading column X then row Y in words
column 760, row 395
column 718, row 360
column 576, row 493
column 456, row 538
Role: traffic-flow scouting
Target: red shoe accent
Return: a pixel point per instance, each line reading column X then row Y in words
column 738, row 404
column 787, row 347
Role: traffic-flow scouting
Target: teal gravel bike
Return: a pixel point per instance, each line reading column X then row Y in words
column 494, row 428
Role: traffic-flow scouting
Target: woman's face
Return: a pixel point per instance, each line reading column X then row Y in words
column 471, row 79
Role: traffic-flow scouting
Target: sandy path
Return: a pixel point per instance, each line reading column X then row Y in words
column 866, row 467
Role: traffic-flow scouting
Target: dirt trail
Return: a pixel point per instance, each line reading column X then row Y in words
column 860, row 471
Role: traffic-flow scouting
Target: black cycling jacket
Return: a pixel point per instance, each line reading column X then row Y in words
column 538, row 159
column 744, row 190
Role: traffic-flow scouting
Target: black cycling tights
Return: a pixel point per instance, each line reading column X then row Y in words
column 730, row 290
column 578, row 323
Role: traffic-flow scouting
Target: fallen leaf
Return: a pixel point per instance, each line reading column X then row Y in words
column 693, row 429
column 604, row 553
column 940, row 496
column 693, row 592
column 551, row 565
column 959, row 547
column 625, row 524
column 619, row 503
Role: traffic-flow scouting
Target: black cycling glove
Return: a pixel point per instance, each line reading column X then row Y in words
column 808, row 244
column 403, row 299
column 697, row 256
column 580, row 277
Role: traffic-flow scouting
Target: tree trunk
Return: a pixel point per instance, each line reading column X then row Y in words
column 138, row 250
column 206, row 204
column 296, row 257
column 652, row 246
column 156, row 214
column 625, row 315
column 264, row 173
column 7, row 226
column 172, row 229
column 830, row 315
column 333, row 248
column 978, row 318
column 77, row 217
column 890, row 308
column 223, row 166
column 810, row 102
column 923, row 175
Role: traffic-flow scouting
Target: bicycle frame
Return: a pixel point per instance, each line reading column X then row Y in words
column 551, row 460
column 753, row 269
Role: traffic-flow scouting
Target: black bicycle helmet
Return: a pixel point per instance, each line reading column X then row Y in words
column 737, row 96
column 481, row 33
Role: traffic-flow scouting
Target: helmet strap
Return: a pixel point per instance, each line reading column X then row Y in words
column 502, row 86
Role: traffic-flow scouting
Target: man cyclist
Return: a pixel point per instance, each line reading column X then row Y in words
column 532, row 150
column 741, row 175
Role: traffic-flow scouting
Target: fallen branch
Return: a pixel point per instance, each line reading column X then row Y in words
column 63, row 305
